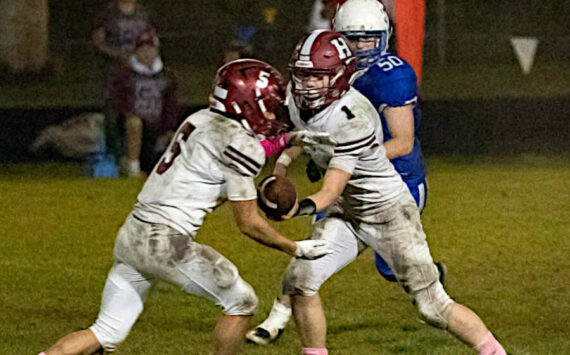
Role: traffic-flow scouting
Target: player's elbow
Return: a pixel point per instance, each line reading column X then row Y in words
column 399, row 148
column 407, row 147
column 248, row 224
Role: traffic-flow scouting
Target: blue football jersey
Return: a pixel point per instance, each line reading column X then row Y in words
column 392, row 82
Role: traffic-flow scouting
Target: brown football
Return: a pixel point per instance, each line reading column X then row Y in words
column 276, row 196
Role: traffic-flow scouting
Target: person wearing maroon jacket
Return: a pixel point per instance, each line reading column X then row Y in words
column 144, row 110
column 116, row 28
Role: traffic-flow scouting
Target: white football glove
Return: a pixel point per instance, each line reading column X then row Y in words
column 310, row 138
column 312, row 249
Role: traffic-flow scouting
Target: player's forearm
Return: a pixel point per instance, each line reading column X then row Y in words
column 324, row 198
column 397, row 147
column 285, row 159
column 400, row 121
column 263, row 233
column 333, row 185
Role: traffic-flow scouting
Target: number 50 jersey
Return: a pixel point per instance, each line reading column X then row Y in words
column 210, row 159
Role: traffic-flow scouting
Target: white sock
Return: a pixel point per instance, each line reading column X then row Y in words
column 278, row 318
column 133, row 167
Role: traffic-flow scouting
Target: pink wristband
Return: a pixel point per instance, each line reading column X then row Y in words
column 274, row 145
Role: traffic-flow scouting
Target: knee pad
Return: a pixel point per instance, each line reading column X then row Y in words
column 434, row 304
column 225, row 273
column 243, row 301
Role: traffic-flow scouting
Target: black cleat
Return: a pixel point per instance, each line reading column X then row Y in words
column 261, row 336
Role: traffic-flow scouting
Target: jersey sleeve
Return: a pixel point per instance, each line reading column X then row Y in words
column 353, row 138
column 244, row 159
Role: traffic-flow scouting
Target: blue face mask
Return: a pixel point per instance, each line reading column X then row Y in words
column 367, row 58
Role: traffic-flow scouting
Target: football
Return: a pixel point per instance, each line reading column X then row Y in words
column 276, row 196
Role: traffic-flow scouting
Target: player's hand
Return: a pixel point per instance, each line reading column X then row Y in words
column 312, row 249
column 311, row 138
column 313, row 171
column 292, row 212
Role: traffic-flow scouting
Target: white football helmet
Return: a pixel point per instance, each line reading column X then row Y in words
column 364, row 18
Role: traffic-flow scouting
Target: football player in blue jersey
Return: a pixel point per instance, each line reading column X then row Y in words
column 390, row 84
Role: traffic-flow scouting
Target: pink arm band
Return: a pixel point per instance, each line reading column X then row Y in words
column 275, row 144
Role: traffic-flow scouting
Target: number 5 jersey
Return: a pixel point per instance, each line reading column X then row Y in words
column 210, row 159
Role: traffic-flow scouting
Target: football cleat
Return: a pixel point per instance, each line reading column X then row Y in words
column 262, row 336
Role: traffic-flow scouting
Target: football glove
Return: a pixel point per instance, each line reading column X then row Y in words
column 312, row 249
column 313, row 171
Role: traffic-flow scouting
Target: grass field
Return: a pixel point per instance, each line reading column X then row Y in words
column 502, row 226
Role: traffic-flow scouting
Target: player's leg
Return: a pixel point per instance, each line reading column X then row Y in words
column 80, row 342
column 303, row 278
column 122, row 302
column 310, row 320
column 133, row 137
column 419, row 193
column 228, row 334
column 273, row 326
column 201, row 270
column 222, row 284
column 402, row 243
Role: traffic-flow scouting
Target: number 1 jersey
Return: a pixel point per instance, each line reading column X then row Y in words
column 354, row 124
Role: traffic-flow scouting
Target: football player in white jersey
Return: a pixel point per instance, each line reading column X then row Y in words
column 366, row 200
column 215, row 155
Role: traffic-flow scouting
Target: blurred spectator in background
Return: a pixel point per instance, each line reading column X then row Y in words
column 116, row 28
column 144, row 111
column 322, row 14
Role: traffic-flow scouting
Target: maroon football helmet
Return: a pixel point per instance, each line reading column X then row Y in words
column 251, row 92
column 321, row 68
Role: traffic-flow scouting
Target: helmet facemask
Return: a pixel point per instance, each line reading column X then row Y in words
column 274, row 121
column 311, row 87
column 365, row 58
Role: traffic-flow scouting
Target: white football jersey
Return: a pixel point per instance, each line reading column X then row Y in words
column 353, row 122
column 210, row 159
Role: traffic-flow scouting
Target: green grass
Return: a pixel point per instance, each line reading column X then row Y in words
column 502, row 226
